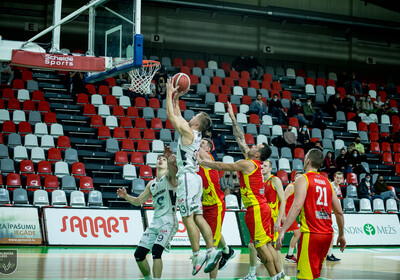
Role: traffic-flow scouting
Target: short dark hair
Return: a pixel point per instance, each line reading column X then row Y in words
column 161, row 155
column 316, row 157
column 265, row 151
column 259, row 94
column 209, row 143
column 205, row 121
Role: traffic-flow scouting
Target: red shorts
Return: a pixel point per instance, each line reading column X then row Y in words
column 313, row 248
column 258, row 221
column 214, row 215
column 294, row 226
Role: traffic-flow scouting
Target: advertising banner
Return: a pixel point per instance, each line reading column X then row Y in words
column 370, row 229
column 19, row 225
column 66, row 226
column 230, row 230
column 58, row 61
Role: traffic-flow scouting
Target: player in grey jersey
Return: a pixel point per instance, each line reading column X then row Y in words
column 190, row 186
column 159, row 234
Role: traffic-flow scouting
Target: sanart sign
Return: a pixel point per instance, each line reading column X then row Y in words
column 370, row 229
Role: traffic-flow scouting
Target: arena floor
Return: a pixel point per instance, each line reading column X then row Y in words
column 118, row 263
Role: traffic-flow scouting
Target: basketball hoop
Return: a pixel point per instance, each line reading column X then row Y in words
column 141, row 77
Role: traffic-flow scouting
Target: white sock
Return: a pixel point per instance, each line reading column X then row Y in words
column 283, row 271
column 196, row 253
column 148, row 277
column 209, row 250
column 330, row 252
column 225, row 250
column 252, row 270
column 290, row 253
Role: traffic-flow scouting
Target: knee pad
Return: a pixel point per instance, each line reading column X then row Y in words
column 157, row 251
column 140, row 253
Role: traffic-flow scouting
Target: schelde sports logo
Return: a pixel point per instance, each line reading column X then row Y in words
column 8, row 261
column 59, row 60
column 369, row 229
column 95, row 226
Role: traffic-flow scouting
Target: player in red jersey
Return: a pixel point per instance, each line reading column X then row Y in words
column 214, row 206
column 295, row 227
column 315, row 198
column 258, row 214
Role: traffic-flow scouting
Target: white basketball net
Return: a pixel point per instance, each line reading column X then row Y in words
column 141, row 77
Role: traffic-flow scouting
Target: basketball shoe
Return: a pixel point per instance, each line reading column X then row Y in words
column 213, row 256
column 197, row 262
column 225, row 258
column 250, row 277
column 332, row 258
column 291, row 258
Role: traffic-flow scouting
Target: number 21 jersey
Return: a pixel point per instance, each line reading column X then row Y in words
column 315, row 216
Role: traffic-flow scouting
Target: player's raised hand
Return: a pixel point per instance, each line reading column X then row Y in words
column 180, row 93
column 168, row 151
column 279, row 241
column 230, row 111
column 170, row 88
column 342, row 242
column 122, row 193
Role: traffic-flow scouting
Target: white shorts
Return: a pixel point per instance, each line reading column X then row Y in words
column 189, row 194
column 161, row 231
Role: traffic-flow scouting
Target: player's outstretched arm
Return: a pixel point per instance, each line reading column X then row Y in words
column 281, row 195
column 137, row 201
column 300, row 192
column 237, row 132
column 244, row 166
column 179, row 123
column 337, row 209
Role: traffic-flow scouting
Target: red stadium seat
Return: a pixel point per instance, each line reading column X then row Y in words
column 182, row 105
column 387, row 158
column 1, row 138
column 156, row 123
column 331, row 83
column 373, row 127
column 374, row 136
column 26, row 167
column 362, row 126
column 234, row 108
column 37, row 96
column 132, row 113
column 140, row 102
column 2, row 104
column 51, row 183
column 50, row 118
column 310, row 81
column 44, row 107
column 246, row 100
column 18, row 84
column 143, row 146
column 185, row 70
column 13, row 181
column 140, row 123
column 78, row 169
column 8, row 94
column 90, row 88
column 299, row 153
column 396, row 147
column 223, row 98
column 268, row 78
column 234, row 75
column 28, row 106
column 125, row 123
column 201, row 64
column 119, row 133
column 168, row 125
column 54, row 155
column 286, row 95
column 282, row 174
column 226, row 66
column 245, row 75
column 217, row 81
column 63, row 143
column 214, row 89
column 118, row 111
column 89, row 110
column 397, row 169
column 229, row 81
column 293, row 175
column 321, row 82
column 8, row 127
column 149, row 134
column 294, row 122
column 134, row 134
column 385, row 147
column 226, row 90
column 128, row 145
column 27, row 75
column 266, row 85
column 111, row 100
column 178, row 63
column 44, row 168
column 255, row 84
column 154, row 103
column 96, row 121
column 189, row 63
column 301, row 73
column 254, row 118
column 137, row 158
column 375, row 148
column 276, row 86
column 350, row 115
column 86, row 184
column 194, row 80
column 24, row 128
column 249, row 138
column 13, row 104
column 111, row 82
column 351, row 179
column 393, row 103
column 104, row 133
column 33, row 182
column 121, row 158
column 145, row 172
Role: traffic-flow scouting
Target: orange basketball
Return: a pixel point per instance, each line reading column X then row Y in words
column 182, row 81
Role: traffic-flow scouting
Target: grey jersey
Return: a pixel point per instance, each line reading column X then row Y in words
column 164, row 197
column 186, row 154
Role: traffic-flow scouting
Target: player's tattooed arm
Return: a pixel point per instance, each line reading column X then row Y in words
column 237, row 132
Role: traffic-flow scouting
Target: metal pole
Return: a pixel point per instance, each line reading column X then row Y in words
column 64, row 20
column 138, row 14
column 55, row 43
column 118, row 15
column 92, row 30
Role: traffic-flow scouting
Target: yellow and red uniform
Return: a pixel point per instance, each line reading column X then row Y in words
column 272, row 198
column 213, row 201
column 316, row 226
column 289, row 203
column 258, row 214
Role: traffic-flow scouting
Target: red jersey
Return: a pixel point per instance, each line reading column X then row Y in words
column 252, row 186
column 289, row 201
column 315, row 216
column 271, row 195
column 212, row 193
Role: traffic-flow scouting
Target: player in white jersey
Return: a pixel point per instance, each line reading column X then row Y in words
column 158, row 235
column 190, row 186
